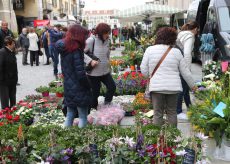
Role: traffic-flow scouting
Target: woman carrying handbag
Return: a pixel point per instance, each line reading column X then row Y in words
column 164, row 64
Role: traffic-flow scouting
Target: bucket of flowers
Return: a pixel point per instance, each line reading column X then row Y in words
column 44, row 90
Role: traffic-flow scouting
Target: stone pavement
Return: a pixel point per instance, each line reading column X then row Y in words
column 33, row 77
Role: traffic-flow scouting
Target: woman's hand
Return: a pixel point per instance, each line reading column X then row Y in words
column 194, row 89
column 94, row 63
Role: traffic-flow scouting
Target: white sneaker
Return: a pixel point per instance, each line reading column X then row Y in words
column 182, row 116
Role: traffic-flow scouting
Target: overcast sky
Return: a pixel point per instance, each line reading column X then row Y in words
column 111, row 4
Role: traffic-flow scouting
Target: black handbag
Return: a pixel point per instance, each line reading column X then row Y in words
column 40, row 53
column 89, row 68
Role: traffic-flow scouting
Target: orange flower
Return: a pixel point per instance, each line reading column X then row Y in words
column 20, row 132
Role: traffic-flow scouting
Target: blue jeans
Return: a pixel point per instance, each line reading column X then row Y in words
column 71, row 113
column 47, row 53
column 55, row 57
column 183, row 95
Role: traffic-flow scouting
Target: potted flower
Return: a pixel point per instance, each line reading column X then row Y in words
column 44, row 90
column 59, row 91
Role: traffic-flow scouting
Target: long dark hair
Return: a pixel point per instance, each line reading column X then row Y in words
column 75, row 38
column 190, row 26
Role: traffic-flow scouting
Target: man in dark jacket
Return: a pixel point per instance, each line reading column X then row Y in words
column 8, row 73
column 24, row 44
column 4, row 32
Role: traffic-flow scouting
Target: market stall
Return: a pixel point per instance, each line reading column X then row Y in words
column 138, row 13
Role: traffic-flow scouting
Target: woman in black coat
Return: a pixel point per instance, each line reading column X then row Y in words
column 77, row 91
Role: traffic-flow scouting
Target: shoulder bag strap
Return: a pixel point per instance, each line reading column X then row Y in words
column 161, row 60
column 93, row 46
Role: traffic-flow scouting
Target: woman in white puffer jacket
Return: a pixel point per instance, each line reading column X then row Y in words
column 165, row 83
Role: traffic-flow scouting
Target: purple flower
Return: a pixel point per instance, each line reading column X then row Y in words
column 151, row 150
column 140, row 141
column 201, row 88
column 69, row 151
column 141, row 153
column 49, row 159
column 65, row 158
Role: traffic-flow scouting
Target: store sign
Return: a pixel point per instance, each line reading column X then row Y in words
column 18, row 4
column 38, row 23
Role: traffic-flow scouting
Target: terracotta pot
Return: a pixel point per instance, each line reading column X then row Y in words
column 45, row 94
column 132, row 67
column 59, row 94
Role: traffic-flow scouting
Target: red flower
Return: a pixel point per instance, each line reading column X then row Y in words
column 8, row 148
column 23, row 103
column 7, row 108
column 30, row 105
column 16, row 118
column 1, row 123
column 14, row 108
column 9, row 117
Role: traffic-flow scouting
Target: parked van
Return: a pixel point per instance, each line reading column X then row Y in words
column 213, row 17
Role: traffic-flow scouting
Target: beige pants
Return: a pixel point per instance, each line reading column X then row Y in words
column 164, row 103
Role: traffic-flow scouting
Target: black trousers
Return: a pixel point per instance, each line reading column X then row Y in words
column 24, row 55
column 34, row 56
column 108, row 81
column 7, row 95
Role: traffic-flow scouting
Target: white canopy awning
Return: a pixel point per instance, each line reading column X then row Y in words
column 138, row 13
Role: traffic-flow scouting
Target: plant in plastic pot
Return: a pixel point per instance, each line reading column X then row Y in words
column 59, row 91
column 44, row 90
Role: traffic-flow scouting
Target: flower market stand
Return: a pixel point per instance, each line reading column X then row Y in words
column 46, row 140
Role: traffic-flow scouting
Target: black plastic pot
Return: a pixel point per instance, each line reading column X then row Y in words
column 29, row 121
column 94, row 150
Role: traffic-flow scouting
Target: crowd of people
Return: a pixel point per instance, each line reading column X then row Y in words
column 167, row 64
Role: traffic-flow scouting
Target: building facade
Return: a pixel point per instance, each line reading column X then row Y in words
column 22, row 13
column 94, row 17
column 7, row 14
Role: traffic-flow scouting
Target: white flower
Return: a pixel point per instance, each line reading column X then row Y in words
column 129, row 141
column 201, row 136
column 210, row 76
column 203, row 161
column 23, row 113
column 178, row 139
column 181, row 153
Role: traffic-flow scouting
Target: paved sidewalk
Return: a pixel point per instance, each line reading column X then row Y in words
column 32, row 77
